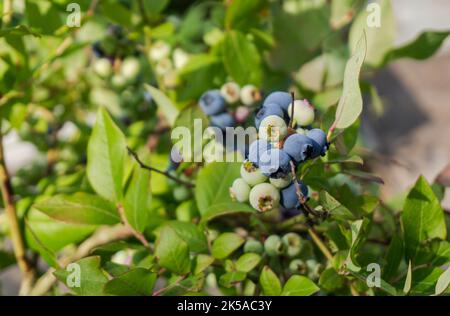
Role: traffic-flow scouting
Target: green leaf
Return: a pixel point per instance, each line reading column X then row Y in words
column 422, row 218
column 202, row 262
column 136, row 282
column 19, row 30
column 362, row 275
column 47, row 254
column 241, row 59
column 191, row 284
column 138, row 199
column 330, row 280
column 350, row 105
column 423, row 47
column 212, row 190
column 165, row 105
column 443, row 282
column 270, row 283
column 360, row 230
column 87, row 270
column 394, row 256
column 230, row 279
column 379, row 39
column 408, row 280
column 240, row 13
column 172, row 252
column 106, row 156
column 191, row 234
column 247, row 262
column 336, row 209
column 116, row 12
column 298, row 285
column 80, row 208
column 195, row 121
column 46, row 228
column 226, row 244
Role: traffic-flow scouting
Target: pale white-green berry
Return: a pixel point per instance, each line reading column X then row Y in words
column 303, row 112
column 273, row 129
column 103, row 67
column 240, row 190
column 251, row 174
column 130, row 68
column 163, row 66
column 293, row 244
column 170, row 79
column 230, row 92
column 159, row 50
column 281, row 183
column 264, row 197
column 180, row 58
column 213, row 37
column 250, row 94
column 118, row 81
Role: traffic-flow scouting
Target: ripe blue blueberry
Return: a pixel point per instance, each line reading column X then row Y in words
column 266, row 110
column 274, row 160
column 281, row 98
column 211, row 102
column 223, row 120
column 256, row 149
column 299, row 147
column 289, row 197
column 319, row 140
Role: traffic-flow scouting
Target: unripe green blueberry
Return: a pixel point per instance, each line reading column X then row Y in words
column 293, row 244
column 273, row 129
column 264, row 197
column 251, row 174
column 163, row 66
column 103, row 67
column 159, row 50
column 303, row 112
column 240, row 190
column 281, row 183
column 254, row 246
column 298, row 266
column 171, row 79
column 180, row 58
column 273, row 246
column 181, row 193
column 314, row 269
column 130, row 68
column 118, row 81
column 250, row 94
column 213, row 37
column 230, row 92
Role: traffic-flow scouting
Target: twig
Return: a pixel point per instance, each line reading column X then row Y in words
column 315, row 237
column 139, row 236
column 150, row 168
column 177, row 281
column 331, row 131
column 101, row 237
column 25, row 266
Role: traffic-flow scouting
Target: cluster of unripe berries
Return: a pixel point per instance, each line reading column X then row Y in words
column 284, row 139
column 290, row 246
column 167, row 62
column 214, row 103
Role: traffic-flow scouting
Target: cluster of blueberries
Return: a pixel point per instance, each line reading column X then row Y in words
column 290, row 246
column 285, row 140
column 214, row 104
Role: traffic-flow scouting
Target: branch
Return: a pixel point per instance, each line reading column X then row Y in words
column 25, row 266
column 165, row 173
column 101, row 237
column 139, row 236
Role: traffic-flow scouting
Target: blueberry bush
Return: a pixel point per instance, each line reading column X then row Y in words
column 108, row 203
